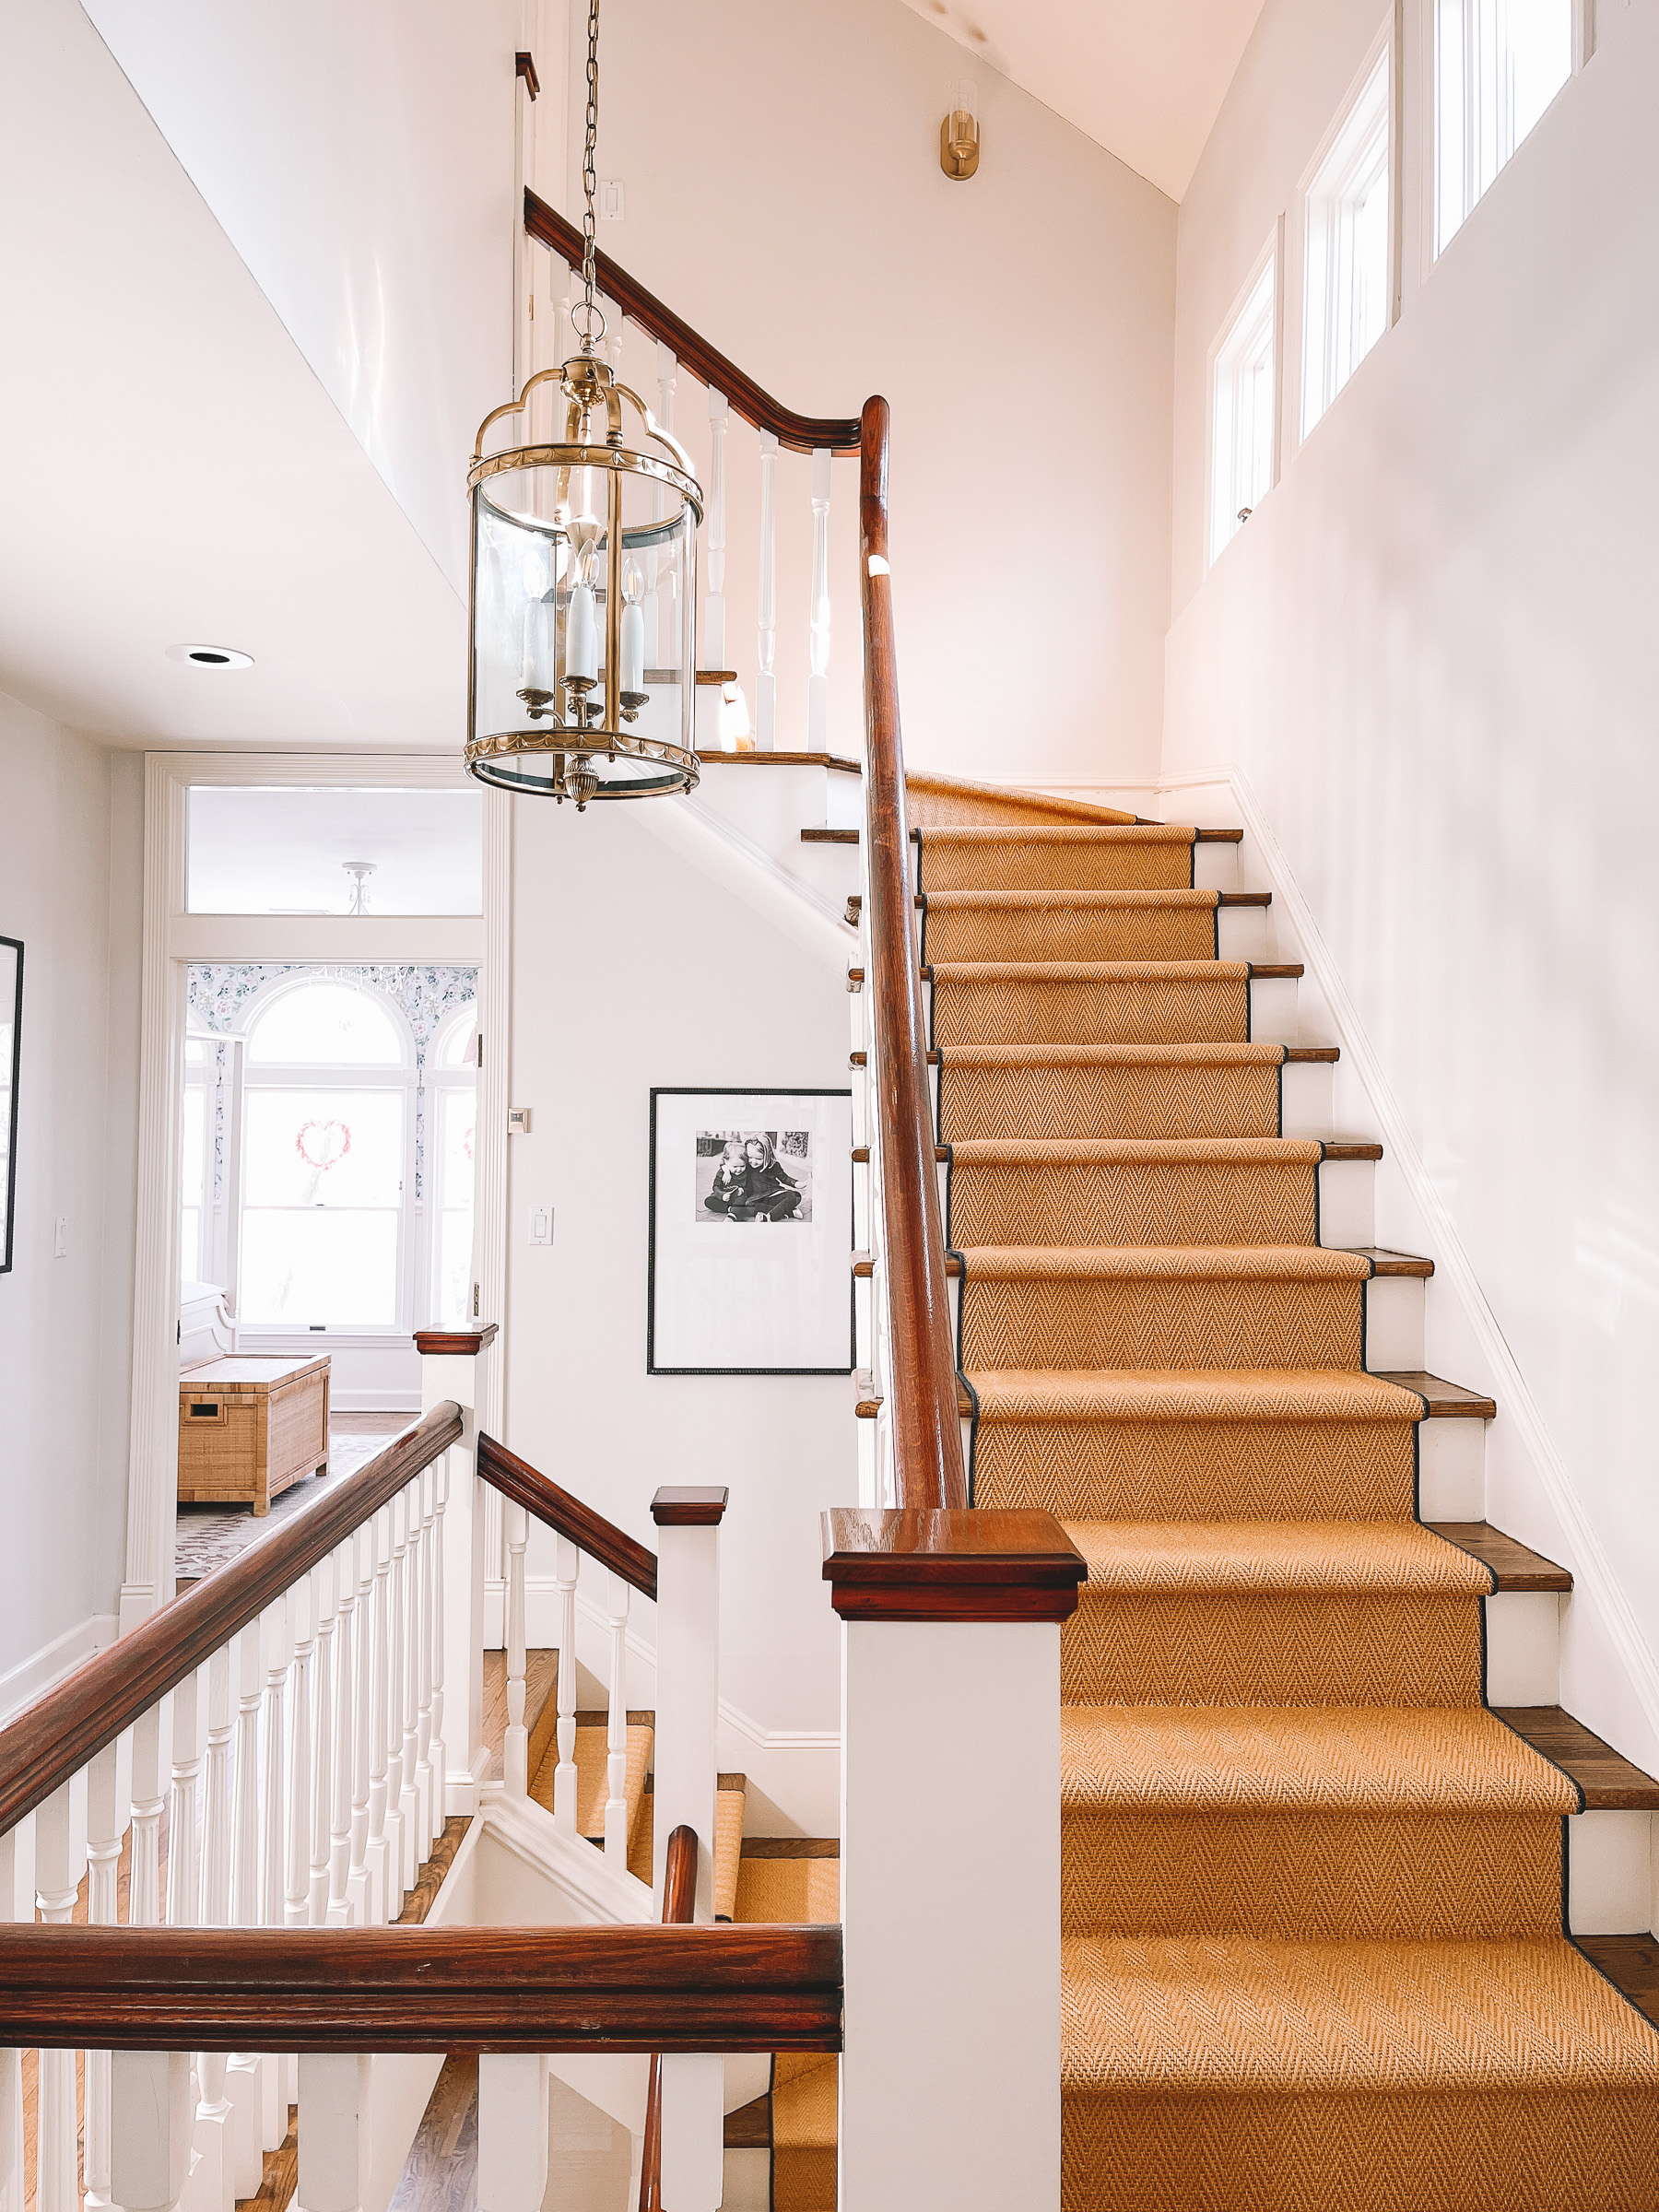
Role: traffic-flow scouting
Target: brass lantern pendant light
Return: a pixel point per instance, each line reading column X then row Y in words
column 583, row 682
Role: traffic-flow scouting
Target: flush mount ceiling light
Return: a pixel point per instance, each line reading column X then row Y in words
column 210, row 656
column 583, row 682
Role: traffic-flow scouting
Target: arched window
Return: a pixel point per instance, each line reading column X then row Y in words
column 327, row 1146
column 452, row 1093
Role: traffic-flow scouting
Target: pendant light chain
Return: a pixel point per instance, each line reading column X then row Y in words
column 590, row 183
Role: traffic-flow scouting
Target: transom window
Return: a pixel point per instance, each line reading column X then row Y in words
column 1498, row 64
column 1244, row 401
column 1349, row 263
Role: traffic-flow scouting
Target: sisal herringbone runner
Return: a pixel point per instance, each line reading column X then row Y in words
column 1311, row 1888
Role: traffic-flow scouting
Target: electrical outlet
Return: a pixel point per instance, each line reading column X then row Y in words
column 541, row 1225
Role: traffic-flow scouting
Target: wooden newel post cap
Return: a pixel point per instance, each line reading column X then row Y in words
column 690, row 1505
column 915, row 1565
column 454, row 1344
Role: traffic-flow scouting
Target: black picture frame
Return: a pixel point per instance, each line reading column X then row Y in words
column 7, row 1240
column 739, row 1090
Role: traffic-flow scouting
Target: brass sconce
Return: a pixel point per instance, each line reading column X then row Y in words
column 958, row 133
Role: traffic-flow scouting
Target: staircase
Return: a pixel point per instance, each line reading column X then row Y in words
column 1312, row 1885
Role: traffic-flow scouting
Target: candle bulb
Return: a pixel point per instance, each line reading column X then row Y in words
column 633, row 632
column 582, row 626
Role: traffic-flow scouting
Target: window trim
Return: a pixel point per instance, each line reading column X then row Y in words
column 1581, row 49
column 1385, row 46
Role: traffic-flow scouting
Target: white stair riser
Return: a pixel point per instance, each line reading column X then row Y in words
column 1523, row 1648
column 1216, row 868
column 1394, row 1323
column 1244, row 933
column 1347, row 1211
column 747, row 2181
column 1610, row 1874
column 1274, row 1017
column 1306, row 1099
column 1452, row 1470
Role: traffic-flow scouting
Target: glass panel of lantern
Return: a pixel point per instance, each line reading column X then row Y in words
column 553, row 673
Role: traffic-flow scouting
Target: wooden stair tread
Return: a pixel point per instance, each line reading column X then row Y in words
column 1446, row 1400
column 1387, row 1263
column 1351, row 1149
column 1516, row 1567
column 850, row 837
column 1609, row 1781
column 868, row 1409
column 759, row 759
column 1631, row 1964
column 856, row 899
column 749, row 2127
column 792, row 1847
column 1296, row 1055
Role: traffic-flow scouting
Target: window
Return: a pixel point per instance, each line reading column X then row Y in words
column 1498, row 64
column 1242, row 443
column 333, row 851
column 198, row 1097
column 1345, row 308
column 326, row 1133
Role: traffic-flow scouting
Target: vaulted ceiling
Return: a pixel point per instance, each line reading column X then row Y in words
column 1145, row 78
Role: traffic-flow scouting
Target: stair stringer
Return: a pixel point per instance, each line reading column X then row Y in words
column 716, row 848
column 1609, row 1677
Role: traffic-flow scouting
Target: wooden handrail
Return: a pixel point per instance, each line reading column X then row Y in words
column 800, row 433
column 679, row 1901
column 921, row 1387
column 676, row 1988
column 600, row 1538
column 54, row 1737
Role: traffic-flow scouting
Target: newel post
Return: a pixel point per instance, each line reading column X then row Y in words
column 688, row 1713
column 452, row 1366
column 951, row 1854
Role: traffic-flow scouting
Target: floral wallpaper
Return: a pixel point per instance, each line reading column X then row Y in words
column 220, row 994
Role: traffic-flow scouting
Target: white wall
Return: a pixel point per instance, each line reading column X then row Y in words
column 632, row 967
column 360, row 158
column 785, row 195
column 71, row 840
column 1429, row 654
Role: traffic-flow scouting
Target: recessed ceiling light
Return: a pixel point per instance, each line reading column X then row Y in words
column 210, row 656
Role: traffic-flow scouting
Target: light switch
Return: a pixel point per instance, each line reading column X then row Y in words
column 60, row 1241
column 518, row 1121
column 541, row 1225
column 610, row 199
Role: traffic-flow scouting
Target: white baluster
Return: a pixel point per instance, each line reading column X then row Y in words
column 57, row 1880
column 766, row 683
column 818, row 688
column 661, row 615
column 343, row 1740
column 516, row 1749
column 566, row 1565
column 144, row 1881
column 667, row 378
column 714, row 640
column 16, row 1904
column 183, row 1863
column 615, row 1736
column 335, row 2145
column 428, row 1786
column 439, row 1753
column 215, row 2177
column 274, row 1652
column 382, row 1855
column 358, row 1887
column 244, row 2075
column 512, row 2132
column 398, row 1544
column 302, row 1627
column 409, row 1679
column 324, row 1603
column 104, row 1823
column 687, row 1698
column 150, row 2128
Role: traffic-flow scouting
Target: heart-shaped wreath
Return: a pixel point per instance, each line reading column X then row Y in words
column 332, row 1141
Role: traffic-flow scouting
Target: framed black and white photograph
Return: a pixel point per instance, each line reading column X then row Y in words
column 751, row 1233
column 11, row 1054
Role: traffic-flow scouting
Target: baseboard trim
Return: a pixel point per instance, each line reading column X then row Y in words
column 22, row 1684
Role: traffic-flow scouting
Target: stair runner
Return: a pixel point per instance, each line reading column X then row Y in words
column 1311, row 1888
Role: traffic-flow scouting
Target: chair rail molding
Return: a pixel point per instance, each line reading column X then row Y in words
column 173, row 938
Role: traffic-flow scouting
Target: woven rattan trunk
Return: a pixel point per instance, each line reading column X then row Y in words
column 249, row 1428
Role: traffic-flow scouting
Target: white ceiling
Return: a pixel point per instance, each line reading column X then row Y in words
column 1145, row 78
column 174, row 469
